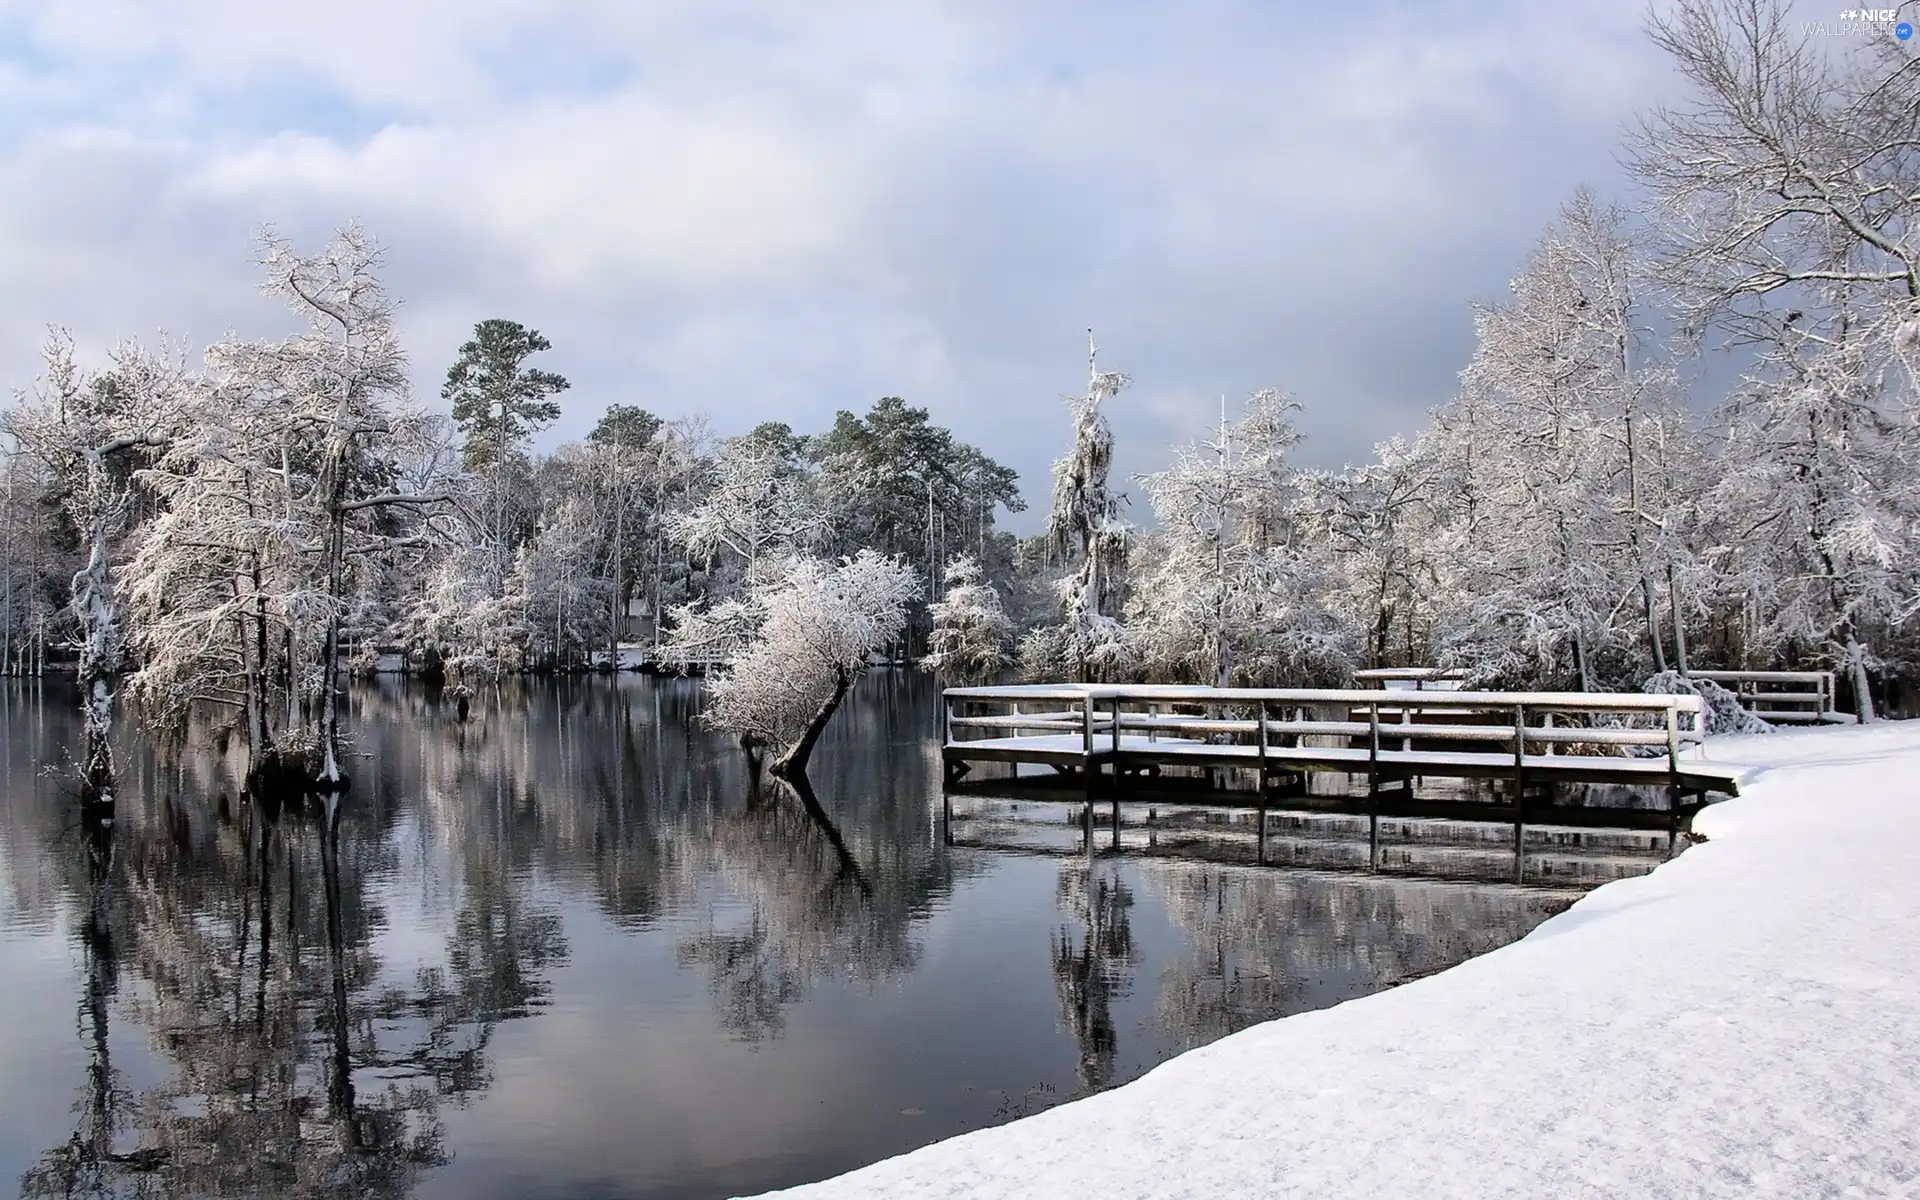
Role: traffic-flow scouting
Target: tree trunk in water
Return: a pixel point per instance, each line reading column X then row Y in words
column 794, row 761
column 99, row 648
column 331, row 775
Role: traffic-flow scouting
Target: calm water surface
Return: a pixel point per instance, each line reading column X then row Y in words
column 566, row 948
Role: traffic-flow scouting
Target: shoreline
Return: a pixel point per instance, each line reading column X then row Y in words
column 1744, row 1020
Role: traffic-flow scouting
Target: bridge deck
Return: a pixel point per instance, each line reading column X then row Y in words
column 1136, row 749
column 1129, row 742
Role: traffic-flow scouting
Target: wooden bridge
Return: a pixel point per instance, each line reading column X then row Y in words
column 1135, row 740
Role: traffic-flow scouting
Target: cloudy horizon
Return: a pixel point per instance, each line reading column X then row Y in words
column 760, row 213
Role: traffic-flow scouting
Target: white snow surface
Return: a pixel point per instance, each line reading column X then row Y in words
column 1743, row 1021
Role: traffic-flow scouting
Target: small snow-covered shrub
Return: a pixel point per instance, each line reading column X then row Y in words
column 970, row 627
column 1723, row 711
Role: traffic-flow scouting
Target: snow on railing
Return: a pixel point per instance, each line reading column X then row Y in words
column 1780, row 695
column 1604, row 725
column 1417, row 679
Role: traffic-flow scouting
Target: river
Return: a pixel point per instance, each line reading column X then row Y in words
column 567, row 948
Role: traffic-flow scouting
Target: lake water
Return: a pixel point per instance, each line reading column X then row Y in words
column 566, row 948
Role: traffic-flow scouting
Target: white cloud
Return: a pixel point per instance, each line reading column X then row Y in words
column 772, row 211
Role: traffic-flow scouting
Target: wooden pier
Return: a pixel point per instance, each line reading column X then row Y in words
column 1125, row 742
column 1783, row 696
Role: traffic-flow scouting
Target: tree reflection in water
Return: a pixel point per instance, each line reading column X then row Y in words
column 297, row 1002
column 810, row 912
column 1264, row 943
column 297, row 1067
column 1093, row 960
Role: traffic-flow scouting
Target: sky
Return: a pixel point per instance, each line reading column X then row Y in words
column 761, row 210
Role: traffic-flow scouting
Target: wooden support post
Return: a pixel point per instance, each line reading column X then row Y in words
column 1373, row 750
column 1673, row 741
column 1086, row 726
column 1519, row 792
column 1116, row 735
column 1261, row 721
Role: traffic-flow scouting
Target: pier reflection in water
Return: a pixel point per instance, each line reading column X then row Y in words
column 570, row 947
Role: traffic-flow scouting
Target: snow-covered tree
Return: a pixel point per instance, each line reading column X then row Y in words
column 971, row 629
column 458, row 623
column 558, row 587
column 85, row 430
column 33, row 589
column 628, row 450
column 1815, row 518
column 759, row 507
column 1084, row 528
column 1783, row 192
column 1568, row 460
column 284, row 498
column 499, row 403
column 1376, row 531
column 805, row 633
column 1228, row 597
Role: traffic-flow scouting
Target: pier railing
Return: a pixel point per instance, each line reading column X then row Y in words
column 1385, row 734
column 1418, row 679
column 1789, row 696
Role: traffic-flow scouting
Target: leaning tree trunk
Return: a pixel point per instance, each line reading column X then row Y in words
column 794, row 761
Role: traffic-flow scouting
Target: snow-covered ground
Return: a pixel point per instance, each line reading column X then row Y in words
column 1745, row 1021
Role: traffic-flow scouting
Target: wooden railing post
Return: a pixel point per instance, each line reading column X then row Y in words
column 946, row 719
column 1673, row 738
column 1116, row 734
column 1260, row 740
column 1373, row 748
column 1086, row 725
column 1519, row 754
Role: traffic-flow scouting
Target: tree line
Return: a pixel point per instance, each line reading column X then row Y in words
column 229, row 535
column 1589, row 509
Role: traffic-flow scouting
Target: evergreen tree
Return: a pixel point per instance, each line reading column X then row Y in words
column 499, row 402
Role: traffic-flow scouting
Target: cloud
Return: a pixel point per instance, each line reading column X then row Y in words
column 773, row 211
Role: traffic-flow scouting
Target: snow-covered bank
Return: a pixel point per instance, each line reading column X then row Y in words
column 1745, row 1021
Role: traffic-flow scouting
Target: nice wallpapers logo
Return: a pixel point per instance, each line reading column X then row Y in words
column 1860, row 22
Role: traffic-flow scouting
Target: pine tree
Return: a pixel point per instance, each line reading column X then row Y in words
column 499, row 402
